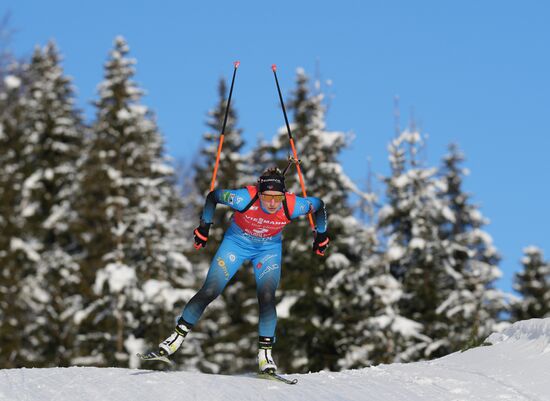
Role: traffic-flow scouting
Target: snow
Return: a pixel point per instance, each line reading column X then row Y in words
column 283, row 307
column 123, row 115
column 531, row 250
column 406, row 327
column 118, row 275
column 514, row 368
column 134, row 345
column 12, row 82
column 180, row 260
column 138, row 109
column 17, row 244
column 401, row 181
column 114, row 174
column 395, row 252
column 537, row 330
column 483, row 236
column 33, row 181
column 338, row 261
column 476, row 215
column 162, row 291
column 449, row 215
column 57, row 214
column 161, row 168
column 330, row 139
column 385, row 212
column 417, row 243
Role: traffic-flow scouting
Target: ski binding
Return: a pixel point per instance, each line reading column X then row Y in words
column 155, row 356
column 271, row 375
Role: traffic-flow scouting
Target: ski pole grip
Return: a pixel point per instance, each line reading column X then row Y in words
column 274, row 67
column 237, row 64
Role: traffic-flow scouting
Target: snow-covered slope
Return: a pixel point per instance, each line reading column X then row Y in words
column 516, row 367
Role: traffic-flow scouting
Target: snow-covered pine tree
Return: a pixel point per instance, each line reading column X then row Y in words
column 18, row 255
column 311, row 325
column 229, row 326
column 410, row 221
column 375, row 330
column 367, row 296
column 55, row 135
column 473, row 305
column 446, row 263
column 533, row 284
column 132, row 260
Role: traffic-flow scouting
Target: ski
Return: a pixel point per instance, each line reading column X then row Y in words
column 277, row 377
column 155, row 356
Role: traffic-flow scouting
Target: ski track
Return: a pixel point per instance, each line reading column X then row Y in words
column 514, row 369
column 517, row 395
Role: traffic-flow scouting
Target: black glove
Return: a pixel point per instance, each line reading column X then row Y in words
column 201, row 235
column 320, row 243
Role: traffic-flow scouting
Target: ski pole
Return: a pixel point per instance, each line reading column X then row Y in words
column 213, row 182
column 291, row 139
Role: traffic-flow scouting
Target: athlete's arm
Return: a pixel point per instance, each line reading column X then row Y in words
column 236, row 199
column 305, row 205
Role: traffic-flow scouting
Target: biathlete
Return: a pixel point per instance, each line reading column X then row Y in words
column 261, row 213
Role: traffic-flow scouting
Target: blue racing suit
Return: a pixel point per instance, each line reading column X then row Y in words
column 239, row 246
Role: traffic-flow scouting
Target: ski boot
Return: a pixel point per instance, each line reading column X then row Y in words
column 265, row 360
column 170, row 345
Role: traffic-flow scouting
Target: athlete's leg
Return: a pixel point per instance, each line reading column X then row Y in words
column 267, row 270
column 226, row 262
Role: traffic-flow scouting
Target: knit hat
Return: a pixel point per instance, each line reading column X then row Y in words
column 271, row 180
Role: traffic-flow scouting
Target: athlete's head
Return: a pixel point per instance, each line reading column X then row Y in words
column 271, row 187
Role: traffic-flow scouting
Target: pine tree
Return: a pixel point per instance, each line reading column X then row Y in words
column 533, row 284
column 41, row 132
column 55, row 132
column 132, row 257
column 18, row 254
column 437, row 249
column 367, row 297
column 473, row 305
column 410, row 222
column 377, row 333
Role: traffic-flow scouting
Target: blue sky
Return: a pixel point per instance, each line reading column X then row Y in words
column 475, row 72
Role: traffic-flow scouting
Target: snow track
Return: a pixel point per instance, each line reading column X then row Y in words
column 515, row 368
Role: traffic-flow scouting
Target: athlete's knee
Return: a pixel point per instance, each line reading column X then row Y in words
column 266, row 298
column 208, row 293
